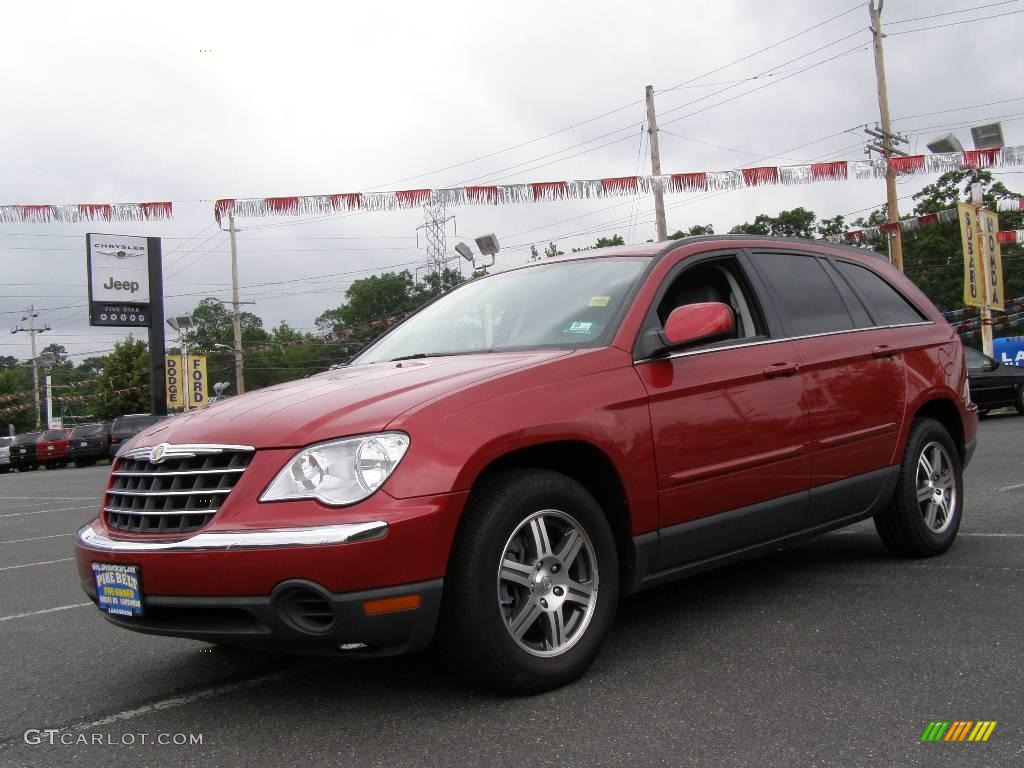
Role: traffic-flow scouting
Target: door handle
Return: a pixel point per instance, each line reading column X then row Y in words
column 780, row 369
column 883, row 350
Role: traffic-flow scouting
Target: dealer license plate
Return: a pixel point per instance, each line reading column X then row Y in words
column 118, row 588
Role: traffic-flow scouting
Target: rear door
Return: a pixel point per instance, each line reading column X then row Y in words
column 854, row 377
column 730, row 426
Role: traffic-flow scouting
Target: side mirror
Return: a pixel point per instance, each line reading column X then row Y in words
column 698, row 324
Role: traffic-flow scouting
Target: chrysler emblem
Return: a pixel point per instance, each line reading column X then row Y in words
column 157, row 454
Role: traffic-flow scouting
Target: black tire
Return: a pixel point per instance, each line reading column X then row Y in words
column 902, row 525
column 1018, row 402
column 475, row 634
column 982, row 413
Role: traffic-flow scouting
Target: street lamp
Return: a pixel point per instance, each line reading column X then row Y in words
column 182, row 323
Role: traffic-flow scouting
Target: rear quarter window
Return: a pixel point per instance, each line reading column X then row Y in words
column 804, row 292
column 888, row 305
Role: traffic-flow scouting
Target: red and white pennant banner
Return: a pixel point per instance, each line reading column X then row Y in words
column 582, row 189
column 1011, row 204
column 903, row 225
column 74, row 214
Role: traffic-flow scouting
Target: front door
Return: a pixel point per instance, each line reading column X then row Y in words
column 730, row 424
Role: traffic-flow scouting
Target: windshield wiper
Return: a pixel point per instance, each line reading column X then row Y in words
column 418, row 355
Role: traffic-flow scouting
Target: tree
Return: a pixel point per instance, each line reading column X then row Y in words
column 602, row 242
column 695, row 231
column 552, row 250
column 798, row 222
column 371, row 301
column 126, row 368
column 534, row 255
column 933, row 254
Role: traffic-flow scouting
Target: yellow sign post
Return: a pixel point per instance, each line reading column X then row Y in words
column 175, row 395
column 186, row 381
column 992, row 257
column 974, row 282
column 198, row 394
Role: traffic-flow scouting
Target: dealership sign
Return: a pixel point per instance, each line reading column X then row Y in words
column 118, row 280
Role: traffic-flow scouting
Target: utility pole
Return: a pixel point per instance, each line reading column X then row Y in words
column 31, row 315
column 659, row 194
column 892, row 205
column 236, row 315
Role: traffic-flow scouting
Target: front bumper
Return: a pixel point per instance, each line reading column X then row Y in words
column 224, row 584
column 270, row 624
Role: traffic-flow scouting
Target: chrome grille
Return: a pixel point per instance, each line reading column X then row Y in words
column 172, row 488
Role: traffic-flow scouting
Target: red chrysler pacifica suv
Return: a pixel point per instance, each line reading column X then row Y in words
column 517, row 455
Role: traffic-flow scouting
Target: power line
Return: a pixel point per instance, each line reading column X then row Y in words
column 951, row 13
column 955, row 23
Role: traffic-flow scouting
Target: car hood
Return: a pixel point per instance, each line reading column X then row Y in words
column 347, row 401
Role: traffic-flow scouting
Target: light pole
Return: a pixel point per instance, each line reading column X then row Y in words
column 182, row 323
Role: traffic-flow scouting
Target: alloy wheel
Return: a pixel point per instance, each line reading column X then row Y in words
column 936, row 487
column 547, row 583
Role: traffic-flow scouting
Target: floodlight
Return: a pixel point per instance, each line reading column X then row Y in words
column 488, row 244
column 464, row 251
column 947, row 143
column 988, row 136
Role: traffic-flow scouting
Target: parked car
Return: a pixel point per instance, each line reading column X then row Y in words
column 23, row 452
column 5, row 453
column 994, row 384
column 89, row 443
column 123, row 428
column 518, row 454
column 52, row 448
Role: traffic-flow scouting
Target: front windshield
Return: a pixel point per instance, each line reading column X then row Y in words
column 566, row 304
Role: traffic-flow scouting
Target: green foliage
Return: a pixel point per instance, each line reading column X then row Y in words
column 933, row 254
column 695, row 231
column 602, row 242
column 552, row 250
column 376, row 298
column 796, row 223
column 126, row 367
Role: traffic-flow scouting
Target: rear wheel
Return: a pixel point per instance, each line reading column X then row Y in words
column 532, row 583
column 924, row 516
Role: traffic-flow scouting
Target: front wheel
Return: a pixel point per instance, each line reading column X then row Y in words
column 532, row 583
column 924, row 516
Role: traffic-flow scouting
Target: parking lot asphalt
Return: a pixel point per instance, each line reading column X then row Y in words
column 833, row 653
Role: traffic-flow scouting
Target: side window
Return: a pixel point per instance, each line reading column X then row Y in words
column 719, row 280
column 805, row 292
column 885, row 302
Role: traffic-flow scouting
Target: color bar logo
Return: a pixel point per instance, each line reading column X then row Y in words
column 958, row 730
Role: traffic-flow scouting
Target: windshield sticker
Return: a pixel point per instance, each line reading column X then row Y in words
column 579, row 327
column 599, row 301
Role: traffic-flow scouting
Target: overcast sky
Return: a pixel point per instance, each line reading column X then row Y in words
column 131, row 102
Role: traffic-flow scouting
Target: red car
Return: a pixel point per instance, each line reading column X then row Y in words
column 52, row 448
column 520, row 453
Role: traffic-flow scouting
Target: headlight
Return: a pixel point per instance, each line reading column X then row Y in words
column 341, row 471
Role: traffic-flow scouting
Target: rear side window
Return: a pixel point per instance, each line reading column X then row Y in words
column 805, row 292
column 885, row 302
